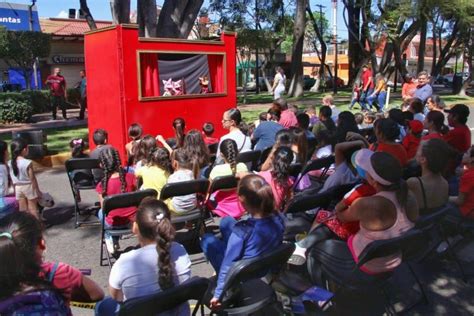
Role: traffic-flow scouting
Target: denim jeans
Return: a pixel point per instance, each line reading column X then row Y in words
column 108, row 306
column 363, row 97
column 213, row 247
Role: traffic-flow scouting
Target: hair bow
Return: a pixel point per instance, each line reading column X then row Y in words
column 7, row 234
column 77, row 141
column 159, row 217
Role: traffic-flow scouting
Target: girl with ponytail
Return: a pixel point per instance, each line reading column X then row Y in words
column 164, row 263
column 260, row 233
column 23, row 177
column 115, row 181
column 156, row 172
column 225, row 202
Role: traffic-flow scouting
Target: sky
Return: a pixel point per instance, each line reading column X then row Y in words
column 100, row 10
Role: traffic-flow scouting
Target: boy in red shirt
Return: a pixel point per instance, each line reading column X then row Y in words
column 459, row 136
column 57, row 85
column 413, row 138
column 465, row 199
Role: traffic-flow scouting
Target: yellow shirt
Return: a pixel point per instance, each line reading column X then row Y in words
column 224, row 170
column 153, row 178
column 381, row 86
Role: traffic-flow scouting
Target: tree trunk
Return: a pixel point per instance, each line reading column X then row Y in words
column 422, row 47
column 87, row 15
column 120, row 11
column 177, row 18
column 355, row 51
column 322, row 55
column 264, row 74
column 146, row 18
column 296, row 85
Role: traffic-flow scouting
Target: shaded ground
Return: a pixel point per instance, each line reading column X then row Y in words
column 448, row 295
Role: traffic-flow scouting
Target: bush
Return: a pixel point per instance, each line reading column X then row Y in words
column 15, row 108
column 73, row 96
column 40, row 100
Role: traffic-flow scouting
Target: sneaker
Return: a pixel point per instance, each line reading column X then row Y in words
column 109, row 243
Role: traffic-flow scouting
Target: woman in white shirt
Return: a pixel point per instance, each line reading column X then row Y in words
column 158, row 265
column 278, row 83
column 231, row 120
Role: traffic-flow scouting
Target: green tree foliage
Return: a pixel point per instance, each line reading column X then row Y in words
column 21, row 48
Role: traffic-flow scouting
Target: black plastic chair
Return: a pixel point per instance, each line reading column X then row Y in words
column 198, row 187
column 114, row 202
column 317, row 164
column 407, row 244
column 250, row 158
column 163, row 301
column 244, row 292
column 81, row 178
column 295, row 169
column 312, row 143
column 265, row 154
column 213, row 148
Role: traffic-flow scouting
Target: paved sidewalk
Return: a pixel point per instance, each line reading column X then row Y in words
column 79, row 247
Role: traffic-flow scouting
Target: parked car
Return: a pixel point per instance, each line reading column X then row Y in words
column 251, row 85
column 448, row 79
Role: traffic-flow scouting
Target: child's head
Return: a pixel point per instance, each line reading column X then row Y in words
column 208, row 129
column 110, row 162
column 283, row 137
column 386, row 130
column 311, row 110
column 100, row 137
column 160, row 158
column 3, row 152
column 435, row 120
column 416, row 106
column 328, row 100
column 324, row 138
column 256, row 195
column 179, row 126
column 77, row 146
column 262, row 117
column 273, row 115
column 416, row 128
column 20, row 239
column 435, row 154
column 146, row 145
column 369, row 118
column 359, row 118
column 229, row 152
column 303, row 121
column 325, row 112
column 301, row 142
column 18, row 147
column 180, row 159
column 135, row 131
column 397, row 116
column 153, row 224
column 408, row 116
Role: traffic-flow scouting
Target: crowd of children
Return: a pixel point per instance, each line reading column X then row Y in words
column 372, row 152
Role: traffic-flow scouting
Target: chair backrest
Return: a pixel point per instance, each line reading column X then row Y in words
column 404, row 244
column 255, row 268
column 295, row 169
column 223, row 183
column 252, row 157
column 312, row 143
column 429, row 220
column 265, row 154
column 308, row 200
column 213, row 148
column 317, row 164
column 198, row 186
column 193, row 289
column 81, row 163
column 125, row 200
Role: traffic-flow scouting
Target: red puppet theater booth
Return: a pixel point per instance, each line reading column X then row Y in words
column 152, row 81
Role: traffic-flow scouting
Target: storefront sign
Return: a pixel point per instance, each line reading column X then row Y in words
column 16, row 17
column 60, row 59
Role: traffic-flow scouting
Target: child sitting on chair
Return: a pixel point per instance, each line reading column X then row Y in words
column 260, row 233
column 115, row 181
column 208, row 130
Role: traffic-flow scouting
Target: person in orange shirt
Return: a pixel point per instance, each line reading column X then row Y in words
column 408, row 88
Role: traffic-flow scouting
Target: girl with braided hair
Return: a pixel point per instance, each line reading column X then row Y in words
column 164, row 263
column 225, row 202
column 115, row 181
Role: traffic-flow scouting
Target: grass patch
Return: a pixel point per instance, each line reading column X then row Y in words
column 264, row 97
column 58, row 139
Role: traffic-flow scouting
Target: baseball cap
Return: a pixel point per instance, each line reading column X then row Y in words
column 459, row 109
column 415, row 126
column 363, row 161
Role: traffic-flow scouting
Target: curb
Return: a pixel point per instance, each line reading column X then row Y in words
column 51, row 161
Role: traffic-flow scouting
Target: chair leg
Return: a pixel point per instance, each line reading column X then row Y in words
column 102, row 249
column 420, row 286
column 389, row 309
column 453, row 255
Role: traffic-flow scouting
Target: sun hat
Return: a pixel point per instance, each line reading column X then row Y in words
column 363, row 159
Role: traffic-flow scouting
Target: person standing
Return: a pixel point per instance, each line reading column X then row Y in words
column 423, row 90
column 278, row 83
column 367, row 85
column 57, row 85
column 82, row 89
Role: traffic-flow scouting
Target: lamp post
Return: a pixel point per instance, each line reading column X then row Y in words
column 30, row 12
column 334, row 34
